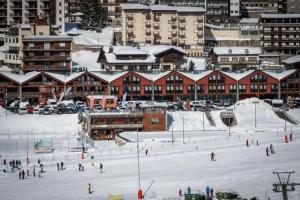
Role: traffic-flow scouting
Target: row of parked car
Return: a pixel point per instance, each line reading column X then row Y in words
column 62, row 107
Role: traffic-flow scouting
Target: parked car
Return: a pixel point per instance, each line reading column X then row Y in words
column 47, row 110
column 36, row 110
column 30, row 109
column 68, row 109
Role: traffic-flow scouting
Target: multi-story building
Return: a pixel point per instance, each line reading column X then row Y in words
column 37, row 87
column 148, row 58
column 217, row 11
column 47, row 53
column 253, row 8
column 249, row 28
column 280, row 33
column 13, row 41
column 160, row 24
column 235, row 58
column 72, row 7
column 293, row 6
column 30, row 11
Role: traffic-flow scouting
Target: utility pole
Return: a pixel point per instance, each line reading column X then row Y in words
column 203, row 121
column 255, row 102
column 284, row 186
column 172, row 129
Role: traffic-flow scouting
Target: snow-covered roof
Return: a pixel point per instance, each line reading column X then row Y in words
column 73, row 76
column 152, row 52
column 87, row 59
column 238, row 76
column 249, row 20
column 281, row 75
column 59, row 77
column 109, row 77
column 237, row 50
column 292, row 60
column 279, row 16
column 4, row 68
column 47, row 38
column 20, row 78
column 131, row 6
column 153, row 76
column 85, row 37
column 196, row 75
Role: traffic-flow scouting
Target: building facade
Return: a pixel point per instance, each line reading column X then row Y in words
column 280, row 33
column 47, row 53
column 292, row 6
column 254, row 8
column 235, row 58
column 37, row 87
column 29, row 12
column 160, row 24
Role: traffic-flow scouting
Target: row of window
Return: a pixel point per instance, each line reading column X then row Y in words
column 47, row 54
column 11, row 40
column 47, row 45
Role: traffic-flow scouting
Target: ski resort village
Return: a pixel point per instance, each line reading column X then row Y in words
column 149, row 100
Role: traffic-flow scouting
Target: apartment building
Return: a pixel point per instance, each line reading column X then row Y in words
column 280, row 33
column 47, row 53
column 235, row 58
column 30, row 11
column 249, row 28
column 293, row 6
column 160, row 24
column 253, row 8
column 13, row 41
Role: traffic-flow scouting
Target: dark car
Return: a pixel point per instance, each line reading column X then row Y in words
column 68, row 109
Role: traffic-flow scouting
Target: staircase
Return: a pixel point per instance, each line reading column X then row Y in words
column 209, row 118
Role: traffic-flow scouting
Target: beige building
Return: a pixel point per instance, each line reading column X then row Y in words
column 160, row 24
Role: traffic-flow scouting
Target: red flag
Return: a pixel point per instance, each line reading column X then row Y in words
column 103, row 103
column 92, row 102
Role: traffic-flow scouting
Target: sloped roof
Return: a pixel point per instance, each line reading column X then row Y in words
column 196, row 76
column 238, row 76
column 20, row 78
column 153, row 76
column 281, row 75
column 292, row 60
column 109, row 77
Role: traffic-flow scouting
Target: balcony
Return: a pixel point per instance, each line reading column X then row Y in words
column 181, row 33
column 37, row 84
column 200, row 19
column 174, row 33
column 148, row 23
column 182, row 26
column 181, row 41
column 42, row 48
column 200, row 35
column 117, row 126
column 130, row 24
column 156, row 25
column 173, row 17
column 130, row 16
column 182, row 19
column 148, row 31
column 47, row 58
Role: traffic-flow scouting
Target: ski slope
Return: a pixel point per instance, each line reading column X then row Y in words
column 172, row 165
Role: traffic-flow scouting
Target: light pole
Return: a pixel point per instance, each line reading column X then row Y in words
column 172, row 129
column 138, row 149
column 203, row 120
column 255, row 102
column 183, row 130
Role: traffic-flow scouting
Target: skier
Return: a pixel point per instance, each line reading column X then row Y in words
column 23, row 174
column 291, row 137
column 57, row 165
column 92, row 158
column 28, row 172
column 207, row 191
column 212, row 156
column 257, row 143
column 180, row 193
column 79, row 166
column 101, row 167
column 61, row 165
column 20, row 174
column 247, row 143
column 39, row 161
column 146, row 152
column 4, row 162
column 211, row 193
column 272, row 149
column 90, row 188
column 267, row 151
column 33, row 171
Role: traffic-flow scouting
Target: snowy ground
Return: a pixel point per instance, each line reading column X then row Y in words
column 184, row 163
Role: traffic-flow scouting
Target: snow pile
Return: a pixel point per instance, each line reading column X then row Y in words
column 3, row 111
column 84, row 37
column 87, row 59
column 265, row 116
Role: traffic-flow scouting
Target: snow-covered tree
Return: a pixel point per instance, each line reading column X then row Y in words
column 94, row 16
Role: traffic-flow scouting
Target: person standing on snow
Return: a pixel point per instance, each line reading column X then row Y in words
column 291, row 137
column 33, row 171
column 267, row 151
column 212, row 156
column 101, row 167
column 272, row 149
column 23, row 174
column 247, row 143
column 90, row 188
column 207, row 191
column 57, row 165
column 20, row 174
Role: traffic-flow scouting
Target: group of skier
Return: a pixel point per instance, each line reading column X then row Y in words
column 271, row 150
column 60, row 166
column 209, row 192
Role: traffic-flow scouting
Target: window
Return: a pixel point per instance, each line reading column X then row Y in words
column 30, row 45
column 31, row 54
column 62, row 54
column 47, row 45
column 155, row 121
column 41, row 33
column 62, row 44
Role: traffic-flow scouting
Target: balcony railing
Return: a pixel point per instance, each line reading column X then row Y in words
column 47, row 58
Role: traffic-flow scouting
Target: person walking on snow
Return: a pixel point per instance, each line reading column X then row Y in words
column 291, row 137
column 90, row 188
column 20, row 174
column 23, row 174
column 146, row 152
column 247, row 143
column 272, row 149
column 212, row 156
column 207, row 191
column 57, row 165
column 267, row 151
column 79, row 166
column 101, row 167
column 257, row 143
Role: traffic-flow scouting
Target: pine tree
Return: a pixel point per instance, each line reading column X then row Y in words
column 191, row 66
column 94, row 16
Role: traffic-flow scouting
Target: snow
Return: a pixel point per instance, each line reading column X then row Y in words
column 4, row 68
column 281, row 75
column 91, row 38
column 172, row 166
column 87, row 59
column 200, row 63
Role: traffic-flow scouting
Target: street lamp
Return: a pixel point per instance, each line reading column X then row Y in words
column 255, row 102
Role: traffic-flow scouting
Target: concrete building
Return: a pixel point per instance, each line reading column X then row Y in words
column 29, row 12
column 293, row 6
column 253, row 8
column 47, row 53
column 160, row 24
column 249, row 28
column 280, row 33
column 235, row 58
